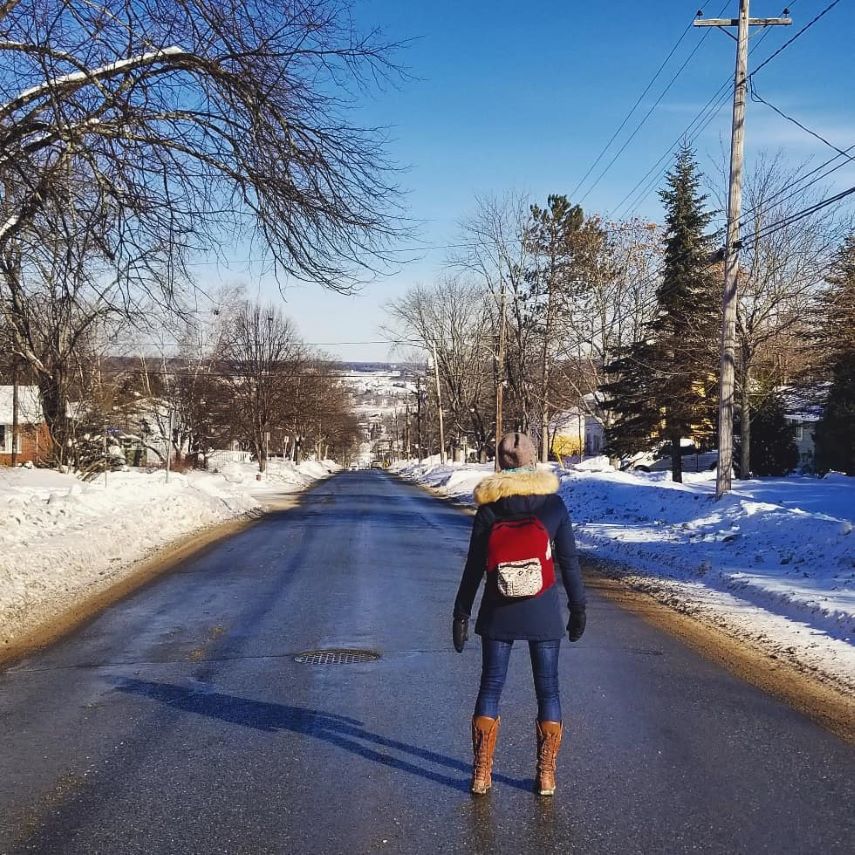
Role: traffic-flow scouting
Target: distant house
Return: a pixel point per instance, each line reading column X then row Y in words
column 33, row 440
column 577, row 430
column 802, row 410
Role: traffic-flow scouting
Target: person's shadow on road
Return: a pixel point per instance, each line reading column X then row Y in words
column 346, row 733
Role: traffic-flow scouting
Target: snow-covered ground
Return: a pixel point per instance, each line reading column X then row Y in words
column 62, row 539
column 773, row 562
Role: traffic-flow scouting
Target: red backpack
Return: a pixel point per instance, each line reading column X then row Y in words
column 519, row 552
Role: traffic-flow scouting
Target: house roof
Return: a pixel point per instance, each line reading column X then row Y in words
column 29, row 405
column 804, row 405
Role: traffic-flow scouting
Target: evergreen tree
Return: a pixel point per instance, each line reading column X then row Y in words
column 551, row 238
column 835, row 432
column 773, row 447
column 630, row 399
column 666, row 382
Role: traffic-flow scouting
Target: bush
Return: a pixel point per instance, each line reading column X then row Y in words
column 835, row 433
column 773, row 446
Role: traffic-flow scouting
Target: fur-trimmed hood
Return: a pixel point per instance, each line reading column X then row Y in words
column 539, row 482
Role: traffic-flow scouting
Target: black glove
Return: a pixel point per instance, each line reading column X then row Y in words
column 460, row 632
column 576, row 624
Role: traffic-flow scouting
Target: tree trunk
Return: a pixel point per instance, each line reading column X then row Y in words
column 260, row 452
column 676, row 460
column 544, row 408
column 544, row 376
column 15, row 412
column 54, row 401
column 745, row 423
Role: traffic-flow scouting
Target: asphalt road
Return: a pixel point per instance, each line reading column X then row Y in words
column 179, row 722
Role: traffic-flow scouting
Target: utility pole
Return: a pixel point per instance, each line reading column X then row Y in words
column 407, row 430
column 419, row 415
column 169, row 446
column 500, row 372
column 732, row 247
column 439, row 407
column 14, row 411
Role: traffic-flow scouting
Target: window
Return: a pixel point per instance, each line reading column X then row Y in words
column 800, row 433
column 6, row 440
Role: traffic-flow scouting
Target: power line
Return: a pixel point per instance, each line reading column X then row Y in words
column 794, row 185
column 803, row 30
column 649, row 113
column 772, row 228
column 756, row 97
column 331, row 374
column 702, row 119
column 263, row 260
column 628, row 116
column 646, row 184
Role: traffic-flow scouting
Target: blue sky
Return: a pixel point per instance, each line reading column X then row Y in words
column 522, row 96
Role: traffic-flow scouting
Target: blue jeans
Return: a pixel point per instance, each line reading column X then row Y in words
column 494, row 669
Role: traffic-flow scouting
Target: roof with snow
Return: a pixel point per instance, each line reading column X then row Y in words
column 29, row 405
column 804, row 404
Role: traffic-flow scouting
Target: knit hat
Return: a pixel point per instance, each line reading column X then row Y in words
column 516, row 451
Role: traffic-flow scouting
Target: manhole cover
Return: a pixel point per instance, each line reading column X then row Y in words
column 335, row 656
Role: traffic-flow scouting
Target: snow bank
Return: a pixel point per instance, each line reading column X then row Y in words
column 782, row 543
column 63, row 539
column 455, row 481
column 282, row 476
column 774, row 561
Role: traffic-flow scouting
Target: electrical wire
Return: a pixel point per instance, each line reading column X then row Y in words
column 801, row 32
column 772, row 228
column 647, row 183
column 647, row 115
column 407, row 249
column 702, row 120
column 628, row 116
column 794, row 186
column 756, row 97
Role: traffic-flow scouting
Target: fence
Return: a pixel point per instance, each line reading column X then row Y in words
column 217, row 458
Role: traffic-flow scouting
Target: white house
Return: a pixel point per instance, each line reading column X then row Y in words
column 577, row 430
column 803, row 409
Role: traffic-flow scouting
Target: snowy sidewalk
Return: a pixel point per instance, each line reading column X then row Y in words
column 773, row 562
column 63, row 539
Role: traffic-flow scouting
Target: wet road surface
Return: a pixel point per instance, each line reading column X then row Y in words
column 179, row 722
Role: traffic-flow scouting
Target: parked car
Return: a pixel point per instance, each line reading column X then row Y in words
column 659, row 460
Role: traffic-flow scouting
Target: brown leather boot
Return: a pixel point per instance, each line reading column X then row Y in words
column 548, row 742
column 485, row 730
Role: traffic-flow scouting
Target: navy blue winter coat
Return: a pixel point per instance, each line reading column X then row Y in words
column 515, row 494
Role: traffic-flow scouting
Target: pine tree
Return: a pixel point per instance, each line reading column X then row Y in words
column 835, row 432
column 631, row 401
column 551, row 238
column 666, row 381
column 773, row 447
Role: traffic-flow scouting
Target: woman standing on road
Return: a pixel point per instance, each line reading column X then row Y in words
column 521, row 532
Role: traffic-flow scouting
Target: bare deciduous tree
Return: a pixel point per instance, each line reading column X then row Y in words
column 452, row 320
column 494, row 252
column 260, row 360
column 782, row 269
column 611, row 310
column 133, row 135
column 180, row 120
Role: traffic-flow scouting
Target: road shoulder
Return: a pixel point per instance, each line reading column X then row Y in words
column 70, row 615
column 828, row 701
